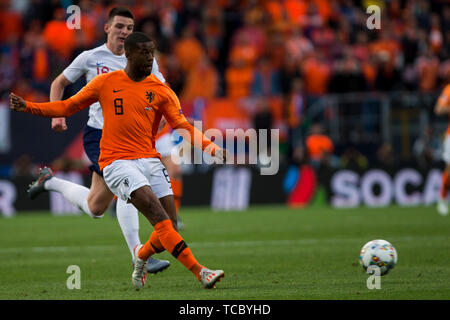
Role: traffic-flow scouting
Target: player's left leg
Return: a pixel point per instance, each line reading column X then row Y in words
column 128, row 218
column 153, row 245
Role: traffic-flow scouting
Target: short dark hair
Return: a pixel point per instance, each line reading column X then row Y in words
column 135, row 38
column 120, row 11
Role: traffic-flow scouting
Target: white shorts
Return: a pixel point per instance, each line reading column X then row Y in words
column 446, row 151
column 125, row 176
column 164, row 145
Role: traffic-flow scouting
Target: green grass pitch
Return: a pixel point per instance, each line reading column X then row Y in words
column 267, row 252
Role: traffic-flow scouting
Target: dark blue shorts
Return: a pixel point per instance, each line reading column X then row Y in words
column 91, row 143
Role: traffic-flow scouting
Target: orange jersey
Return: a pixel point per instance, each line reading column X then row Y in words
column 131, row 111
column 444, row 100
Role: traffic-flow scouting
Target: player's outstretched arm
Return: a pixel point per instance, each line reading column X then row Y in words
column 174, row 116
column 56, row 93
column 199, row 140
column 65, row 108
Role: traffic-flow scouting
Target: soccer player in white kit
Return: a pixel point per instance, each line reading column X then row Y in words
column 95, row 201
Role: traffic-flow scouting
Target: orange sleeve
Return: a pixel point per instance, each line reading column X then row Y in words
column 444, row 98
column 65, row 108
column 174, row 115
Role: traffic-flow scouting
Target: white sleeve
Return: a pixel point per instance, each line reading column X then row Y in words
column 77, row 68
column 156, row 72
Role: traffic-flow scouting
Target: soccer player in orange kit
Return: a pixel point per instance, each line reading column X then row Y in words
column 133, row 102
column 443, row 107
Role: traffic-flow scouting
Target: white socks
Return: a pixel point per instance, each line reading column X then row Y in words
column 75, row 193
column 128, row 218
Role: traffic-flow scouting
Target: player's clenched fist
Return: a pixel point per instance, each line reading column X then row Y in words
column 16, row 103
column 59, row 124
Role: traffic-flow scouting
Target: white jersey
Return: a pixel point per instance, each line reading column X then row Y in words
column 94, row 62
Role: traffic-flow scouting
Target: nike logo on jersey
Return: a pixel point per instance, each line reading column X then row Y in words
column 148, row 108
column 117, row 90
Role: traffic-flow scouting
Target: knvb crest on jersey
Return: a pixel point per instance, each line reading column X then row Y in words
column 150, row 96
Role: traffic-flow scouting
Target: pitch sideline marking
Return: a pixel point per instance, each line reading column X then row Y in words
column 211, row 244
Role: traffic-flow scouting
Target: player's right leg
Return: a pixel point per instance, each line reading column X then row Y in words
column 127, row 180
column 146, row 201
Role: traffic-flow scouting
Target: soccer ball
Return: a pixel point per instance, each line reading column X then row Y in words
column 378, row 253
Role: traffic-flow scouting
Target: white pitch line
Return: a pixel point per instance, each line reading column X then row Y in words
column 212, row 244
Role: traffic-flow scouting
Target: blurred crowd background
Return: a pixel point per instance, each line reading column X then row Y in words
column 301, row 53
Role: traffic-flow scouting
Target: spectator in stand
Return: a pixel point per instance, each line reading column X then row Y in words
column 294, row 112
column 297, row 45
column 347, row 75
column 316, row 72
column 296, row 11
column 213, row 30
column 266, row 79
column 202, row 81
column 10, row 22
column 427, row 66
column 244, row 51
column 361, row 47
column 150, row 23
column 276, row 12
column 252, row 35
column 89, row 31
column 239, row 78
column 388, row 78
column 385, row 158
column 188, row 50
column 277, row 53
column 387, row 46
column 58, row 37
column 435, row 36
column 175, row 77
column 319, row 147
